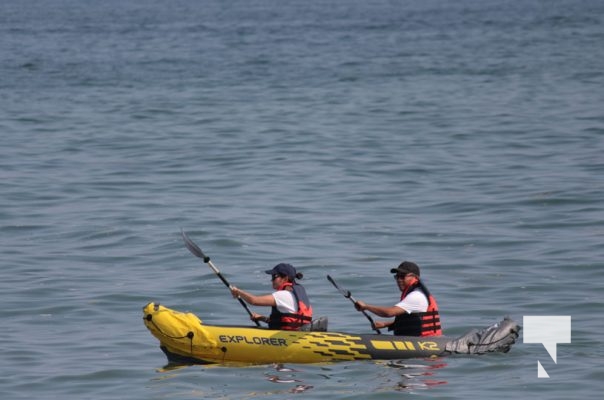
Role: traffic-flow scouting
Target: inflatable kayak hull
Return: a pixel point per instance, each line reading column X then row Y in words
column 186, row 340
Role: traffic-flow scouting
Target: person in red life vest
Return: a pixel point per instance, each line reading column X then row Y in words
column 291, row 308
column 416, row 314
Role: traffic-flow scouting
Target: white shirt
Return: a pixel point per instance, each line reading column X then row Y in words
column 415, row 301
column 285, row 301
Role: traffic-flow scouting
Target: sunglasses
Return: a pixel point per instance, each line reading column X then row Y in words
column 400, row 276
column 275, row 277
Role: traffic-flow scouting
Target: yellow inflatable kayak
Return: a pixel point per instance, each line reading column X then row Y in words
column 186, row 340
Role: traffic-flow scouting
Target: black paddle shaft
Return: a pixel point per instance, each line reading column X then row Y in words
column 348, row 295
column 197, row 252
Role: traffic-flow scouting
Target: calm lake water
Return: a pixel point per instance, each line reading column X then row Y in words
column 340, row 136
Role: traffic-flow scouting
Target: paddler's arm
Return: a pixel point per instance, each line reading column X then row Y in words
column 264, row 300
column 383, row 324
column 259, row 317
column 381, row 311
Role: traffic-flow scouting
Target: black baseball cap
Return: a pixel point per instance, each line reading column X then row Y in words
column 406, row 267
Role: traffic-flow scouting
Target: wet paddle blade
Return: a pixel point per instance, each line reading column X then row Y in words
column 193, row 248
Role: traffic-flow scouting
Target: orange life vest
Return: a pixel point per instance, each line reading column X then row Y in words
column 292, row 321
column 418, row 323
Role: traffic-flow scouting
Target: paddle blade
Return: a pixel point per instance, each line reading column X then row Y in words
column 193, row 248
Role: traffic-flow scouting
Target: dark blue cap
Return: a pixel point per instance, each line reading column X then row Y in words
column 283, row 269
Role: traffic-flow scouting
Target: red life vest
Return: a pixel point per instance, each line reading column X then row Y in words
column 292, row 321
column 418, row 323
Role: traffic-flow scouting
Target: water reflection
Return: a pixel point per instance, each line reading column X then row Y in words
column 345, row 379
column 417, row 376
column 289, row 378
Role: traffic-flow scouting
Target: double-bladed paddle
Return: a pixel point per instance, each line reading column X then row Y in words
column 348, row 295
column 197, row 252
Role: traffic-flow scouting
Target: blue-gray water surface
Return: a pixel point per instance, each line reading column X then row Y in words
column 342, row 136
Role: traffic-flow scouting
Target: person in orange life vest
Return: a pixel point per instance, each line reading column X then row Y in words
column 291, row 308
column 416, row 314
